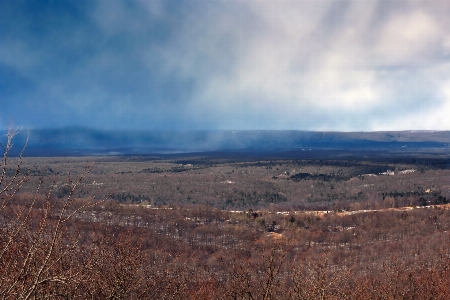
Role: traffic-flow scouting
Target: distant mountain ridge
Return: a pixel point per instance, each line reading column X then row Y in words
column 84, row 141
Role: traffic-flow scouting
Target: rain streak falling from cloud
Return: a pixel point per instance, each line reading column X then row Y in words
column 303, row 65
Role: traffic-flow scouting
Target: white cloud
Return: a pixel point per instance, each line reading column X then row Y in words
column 407, row 39
column 251, row 64
column 302, row 60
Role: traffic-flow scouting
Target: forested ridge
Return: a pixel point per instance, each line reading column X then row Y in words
column 72, row 245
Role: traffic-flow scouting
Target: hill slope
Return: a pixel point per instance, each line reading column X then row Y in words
column 83, row 141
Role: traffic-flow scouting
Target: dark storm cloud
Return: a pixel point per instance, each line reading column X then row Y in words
column 314, row 65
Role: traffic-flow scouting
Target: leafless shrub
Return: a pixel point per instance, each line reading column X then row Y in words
column 37, row 251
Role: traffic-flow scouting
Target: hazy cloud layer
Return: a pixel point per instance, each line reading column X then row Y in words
column 309, row 65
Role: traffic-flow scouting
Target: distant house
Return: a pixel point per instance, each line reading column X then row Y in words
column 388, row 172
column 407, row 171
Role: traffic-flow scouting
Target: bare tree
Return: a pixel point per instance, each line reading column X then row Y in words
column 36, row 247
column 320, row 280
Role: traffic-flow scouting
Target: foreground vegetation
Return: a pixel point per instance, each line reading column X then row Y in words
column 74, row 245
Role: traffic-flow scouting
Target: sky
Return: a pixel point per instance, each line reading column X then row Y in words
column 322, row 65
